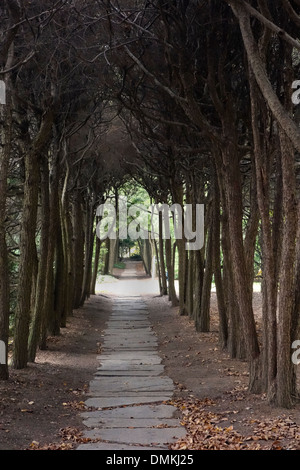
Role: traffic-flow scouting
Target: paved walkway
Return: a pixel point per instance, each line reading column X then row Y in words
column 129, row 389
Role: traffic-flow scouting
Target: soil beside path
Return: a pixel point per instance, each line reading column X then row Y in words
column 41, row 406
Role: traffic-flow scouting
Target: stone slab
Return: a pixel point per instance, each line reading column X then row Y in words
column 127, row 344
column 120, row 331
column 129, row 319
column 130, row 306
column 115, row 446
column 127, row 347
column 108, row 402
column 127, row 373
column 127, row 324
column 133, row 340
column 143, row 436
column 97, row 389
column 118, row 357
column 146, row 332
column 130, row 423
column 137, row 412
column 136, row 382
column 133, row 383
column 127, row 366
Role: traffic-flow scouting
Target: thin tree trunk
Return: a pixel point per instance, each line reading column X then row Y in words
column 190, row 284
column 242, row 290
column 89, row 243
column 38, row 312
column 106, row 256
column 95, row 266
column 49, row 314
column 78, row 254
column 178, row 199
column 158, row 266
column 54, row 322
column 269, row 290
column 284, row 382
column 170, row 268
column 164, row 287
column 67, row 235
column 223, row 320
column 5, row 149
column 203, row 321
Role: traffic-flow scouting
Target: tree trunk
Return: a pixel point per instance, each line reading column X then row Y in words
column 158, row 266
column 178, row 199
column 54, row 322
column 259, row 70
column 49, row 314
column 170, row 268
column 164, row 287
column 233, row 192
column 223, row 320
column 190, row 284
column 106, row 257
column 5, row 149
column 78, row 254
column 95, row 266
column 203, row 320
column 38, row 312
column 67, row 237
column 26, row 263
column 89, row 244
column 269, row 290
column 284, row 382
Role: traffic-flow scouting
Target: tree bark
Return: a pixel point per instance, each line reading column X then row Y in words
column 284, row 382
column 170, row 268
column 259, row 70
column 269, row 290
column 5, row 149
column 89, row 244
column 27, row 241
column 38, row 312
column 164, row 287
column 26, row 266
column 78, row 245
column 219, row 282
column 95, row 266
column 242, row 289
column 202, row 321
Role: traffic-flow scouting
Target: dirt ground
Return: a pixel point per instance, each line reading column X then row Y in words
column 205, row 375
column 40, row 406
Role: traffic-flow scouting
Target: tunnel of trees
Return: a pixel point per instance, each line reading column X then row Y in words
column 193, row 101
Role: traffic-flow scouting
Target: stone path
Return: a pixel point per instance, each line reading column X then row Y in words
column 129, row 388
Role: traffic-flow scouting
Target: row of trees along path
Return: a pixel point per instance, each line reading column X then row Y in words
column 203, row 91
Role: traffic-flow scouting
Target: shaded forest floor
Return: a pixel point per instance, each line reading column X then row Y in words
column 40, row 406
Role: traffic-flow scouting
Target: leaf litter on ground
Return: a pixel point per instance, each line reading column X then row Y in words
column 205, row 431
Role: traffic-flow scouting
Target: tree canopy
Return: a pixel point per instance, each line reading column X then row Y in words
column 194, row 101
